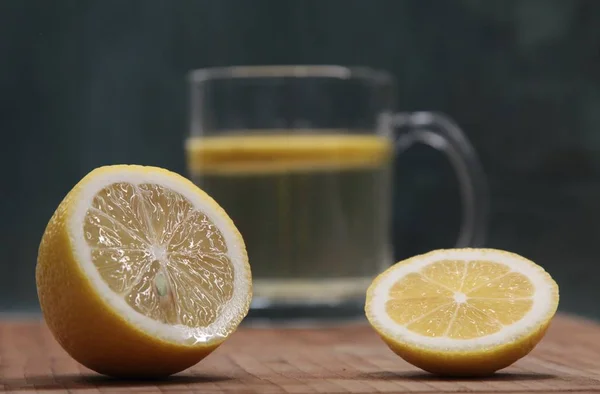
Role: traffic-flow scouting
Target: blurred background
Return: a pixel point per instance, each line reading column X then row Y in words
column 88, row 83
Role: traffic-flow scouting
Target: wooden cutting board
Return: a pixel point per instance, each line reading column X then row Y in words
column 344, row 359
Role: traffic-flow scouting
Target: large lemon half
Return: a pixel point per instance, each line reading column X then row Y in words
column 140, row 273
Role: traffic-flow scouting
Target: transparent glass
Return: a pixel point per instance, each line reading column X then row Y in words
column 300, row 158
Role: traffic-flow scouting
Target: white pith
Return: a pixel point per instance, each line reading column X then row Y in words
column 544, row 301
column 171, row 333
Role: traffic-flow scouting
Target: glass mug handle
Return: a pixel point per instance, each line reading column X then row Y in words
column 441, row 133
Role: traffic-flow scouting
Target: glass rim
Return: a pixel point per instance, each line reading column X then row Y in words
column 289, row 71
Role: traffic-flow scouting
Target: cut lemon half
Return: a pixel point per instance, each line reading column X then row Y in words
column 462, row 312
column 140, row 273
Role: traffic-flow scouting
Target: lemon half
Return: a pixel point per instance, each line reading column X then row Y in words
column 140, row 273
column 462, row 312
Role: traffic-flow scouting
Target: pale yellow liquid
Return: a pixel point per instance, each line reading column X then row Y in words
column 312, row 208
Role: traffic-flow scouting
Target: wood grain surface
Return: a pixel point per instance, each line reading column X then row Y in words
column 343, row 359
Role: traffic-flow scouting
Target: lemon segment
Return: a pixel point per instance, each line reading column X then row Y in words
column 140, row 273
column 462, row 311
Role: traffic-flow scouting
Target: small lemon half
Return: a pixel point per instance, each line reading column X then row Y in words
column 462, row 312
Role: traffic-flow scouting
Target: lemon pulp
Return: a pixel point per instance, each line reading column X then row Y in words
column 459, row 299
column 167, row 260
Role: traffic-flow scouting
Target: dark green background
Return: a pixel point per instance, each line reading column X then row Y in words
column 86, row 83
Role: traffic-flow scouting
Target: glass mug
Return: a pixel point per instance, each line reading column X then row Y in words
column 300, row 158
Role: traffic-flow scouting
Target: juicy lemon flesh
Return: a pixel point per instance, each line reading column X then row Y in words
column 167, row 260
column 460, row 299
column 277, row 151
